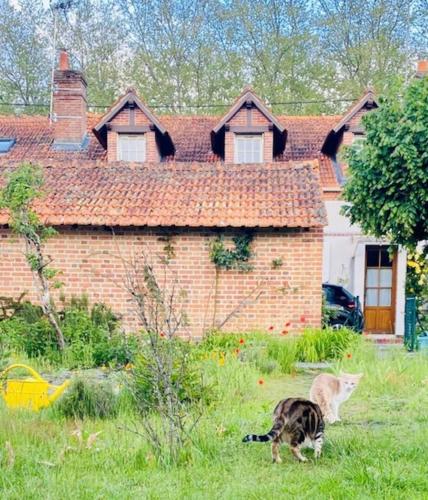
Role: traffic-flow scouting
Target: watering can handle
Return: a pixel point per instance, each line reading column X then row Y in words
column 28, row 368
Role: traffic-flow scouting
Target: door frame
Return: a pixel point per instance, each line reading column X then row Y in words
column 393, row 285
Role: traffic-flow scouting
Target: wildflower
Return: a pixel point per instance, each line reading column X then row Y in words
column 241, row 341
column 284, row 332
column 270, row 328
column 260, row 381
column 221, row 361
column 237, row 351
column 302, row 319
column 287, row 324
column 162, row 334
column 129, row 366
column 349, row 355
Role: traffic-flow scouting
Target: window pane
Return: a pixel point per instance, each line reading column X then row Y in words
column 385, row 297
column 371, row 297
column 384, row 258
column 385, row 277
column 372, row 277
column 248, row 148
column 372, row 257
column 132, row 148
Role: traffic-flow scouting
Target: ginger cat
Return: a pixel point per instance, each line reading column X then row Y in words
column 329, row 392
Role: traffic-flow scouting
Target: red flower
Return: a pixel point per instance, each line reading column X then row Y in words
column 284, row 332
column 162, row 334
column 302, row 319
column 237, row 351
column 288, row 323
column 270, row 328
column 241, row 341
column 260, row 381
column 349, row 355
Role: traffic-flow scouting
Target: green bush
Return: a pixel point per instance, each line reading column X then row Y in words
column 88, row 400
column 148, row 385
column 316, row 345
column 283, row 351
column 92, row 335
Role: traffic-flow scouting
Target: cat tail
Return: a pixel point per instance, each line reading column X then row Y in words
column 276, row 431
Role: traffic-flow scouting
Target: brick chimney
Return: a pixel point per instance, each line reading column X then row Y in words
column 69, row 107
column 422, row 68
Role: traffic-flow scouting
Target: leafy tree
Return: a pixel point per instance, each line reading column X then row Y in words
column 24, row 186
column 24, row 60
column 388, row 182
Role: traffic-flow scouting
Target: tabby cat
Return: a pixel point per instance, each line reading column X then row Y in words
column 299, row 423
column 329, row 392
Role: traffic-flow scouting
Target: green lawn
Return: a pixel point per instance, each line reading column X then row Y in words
column 379, row 450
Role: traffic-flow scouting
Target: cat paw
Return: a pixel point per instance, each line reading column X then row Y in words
column 303, row 459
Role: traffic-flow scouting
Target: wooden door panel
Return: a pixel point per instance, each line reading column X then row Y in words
column 370, row 319
column 379, row 290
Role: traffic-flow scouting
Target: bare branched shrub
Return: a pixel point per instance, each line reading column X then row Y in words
column 165, row 381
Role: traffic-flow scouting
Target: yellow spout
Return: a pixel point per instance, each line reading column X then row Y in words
column 58, row 391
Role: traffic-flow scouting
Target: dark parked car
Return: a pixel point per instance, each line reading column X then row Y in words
column 344, row 308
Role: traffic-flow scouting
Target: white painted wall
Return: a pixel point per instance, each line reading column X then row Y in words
column 344, row 259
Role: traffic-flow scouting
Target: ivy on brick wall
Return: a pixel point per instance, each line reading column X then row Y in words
column 237, row 258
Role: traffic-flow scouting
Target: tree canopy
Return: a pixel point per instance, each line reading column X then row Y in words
column 388, row 173
column 179, row 54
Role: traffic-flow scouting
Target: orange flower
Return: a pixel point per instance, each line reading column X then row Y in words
column 161, row 334
column 302, row 319
column 260, row 381
column 349, row 355
column 270, row 328
column 284, row 332
column 287, row 324
column 237, row 351
column 241, row 341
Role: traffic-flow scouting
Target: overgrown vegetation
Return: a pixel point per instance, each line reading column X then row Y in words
column 38, row 450
column 228, row 258
column 92, row 335
column 88, row 400
column 23, row 187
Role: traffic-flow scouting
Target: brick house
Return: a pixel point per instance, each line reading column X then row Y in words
column 131, row 180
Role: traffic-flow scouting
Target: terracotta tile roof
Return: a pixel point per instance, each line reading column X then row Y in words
column 181, row 194
column 191, row 136
column 329, row 177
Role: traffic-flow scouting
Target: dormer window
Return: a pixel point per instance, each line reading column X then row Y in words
column 131, row 147
column 6, row 144
column 248, row 148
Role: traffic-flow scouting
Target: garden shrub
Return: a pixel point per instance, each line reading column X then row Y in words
column 147, row 381
column 316, row 345
column 283, row 351
column 92, row 334
column 85, row 399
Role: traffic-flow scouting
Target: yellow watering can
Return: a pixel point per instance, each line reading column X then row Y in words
column 33, row 393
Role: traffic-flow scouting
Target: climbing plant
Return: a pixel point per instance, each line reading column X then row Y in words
column 237, row 258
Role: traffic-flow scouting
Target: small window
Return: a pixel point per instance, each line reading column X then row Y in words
column 248, row 148
column 132, row 147
column 6, row 145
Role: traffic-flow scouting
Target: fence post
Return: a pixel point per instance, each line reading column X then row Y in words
column 410, row 340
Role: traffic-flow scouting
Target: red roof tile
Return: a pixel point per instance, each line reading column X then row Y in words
column 180, row 194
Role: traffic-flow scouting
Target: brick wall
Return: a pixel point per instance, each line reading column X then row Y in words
column 88, row 259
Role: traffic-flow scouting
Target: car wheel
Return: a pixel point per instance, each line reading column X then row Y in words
column 337, row 326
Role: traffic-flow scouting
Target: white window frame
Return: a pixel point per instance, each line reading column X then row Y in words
column 248, row 139
column 136, row 153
